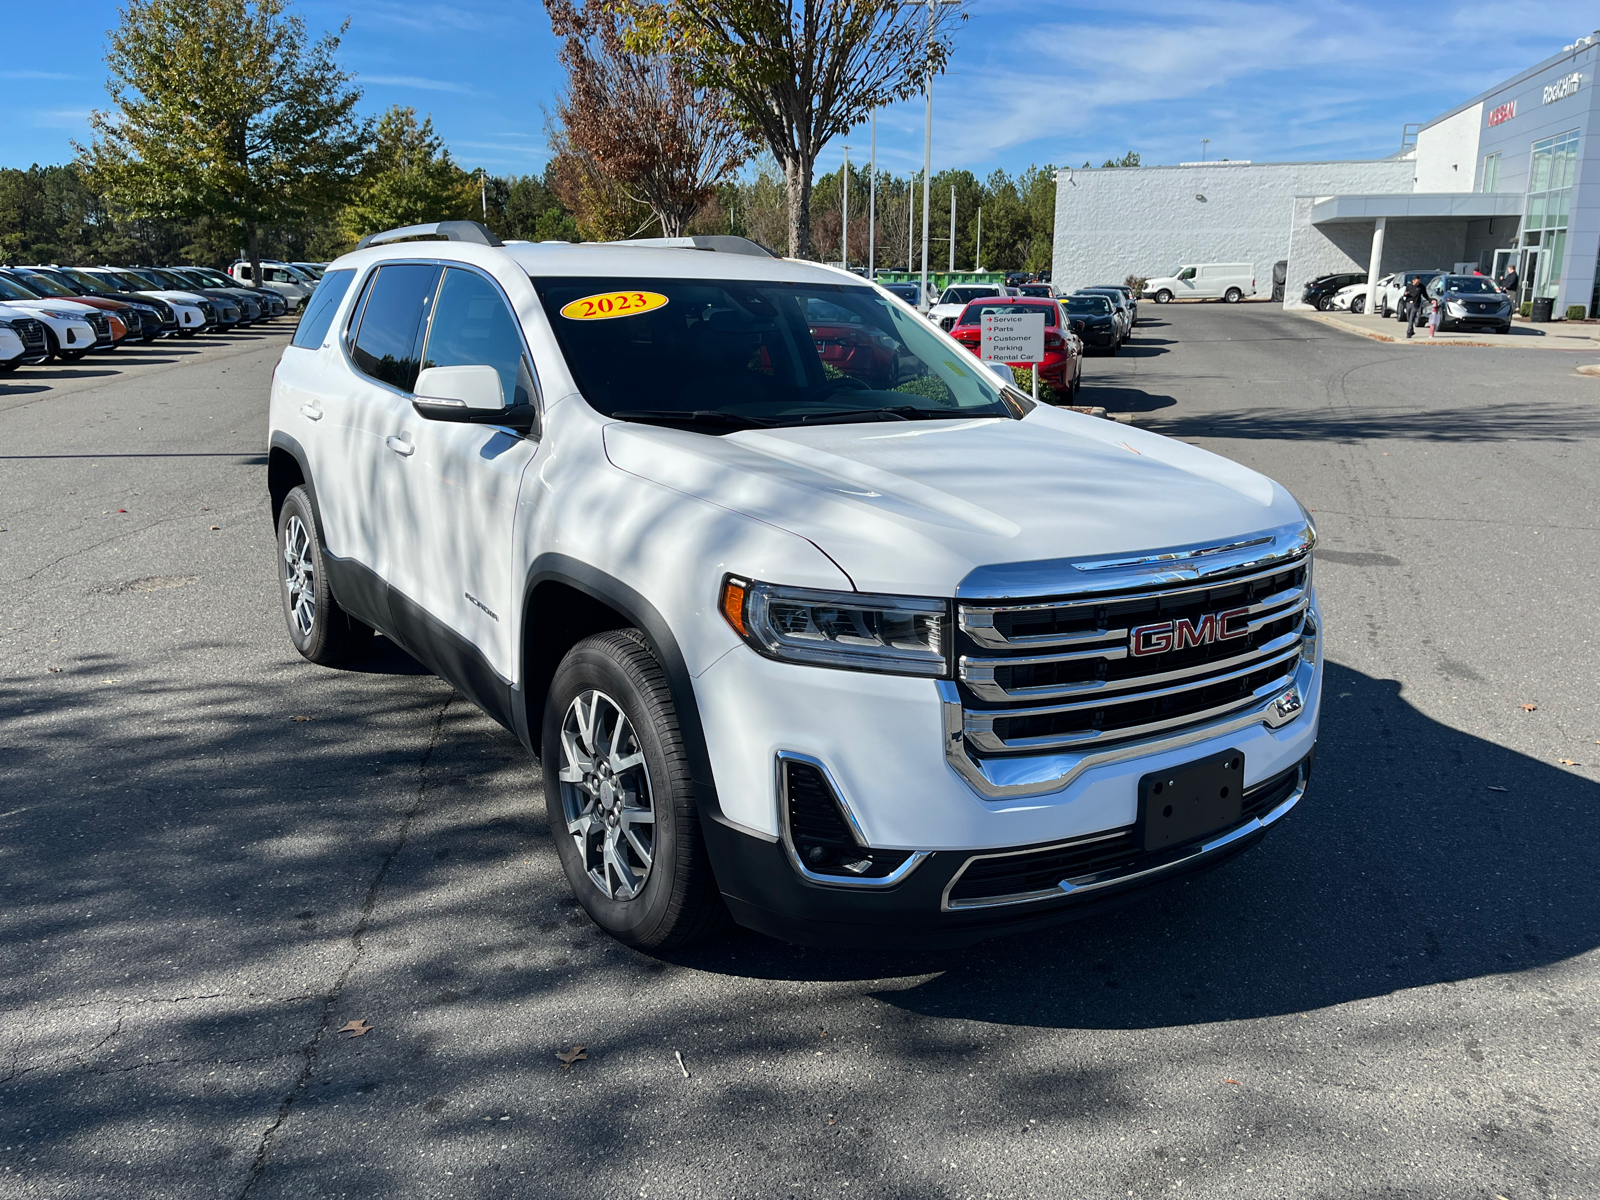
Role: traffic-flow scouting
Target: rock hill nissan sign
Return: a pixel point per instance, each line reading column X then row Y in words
column 1562, row 88
column 1502, row 114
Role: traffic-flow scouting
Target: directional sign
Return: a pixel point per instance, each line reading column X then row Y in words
column 1013, row 337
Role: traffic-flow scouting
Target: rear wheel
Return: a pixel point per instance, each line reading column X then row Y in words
column 1163, row 297
column 1232, row 296
column 321, row 630
column 1358, row 305
column 619, row 795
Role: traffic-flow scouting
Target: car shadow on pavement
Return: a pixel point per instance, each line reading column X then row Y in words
column 1527, row 421
column 1421, row 855
column 385, row 658
column 1124, row 399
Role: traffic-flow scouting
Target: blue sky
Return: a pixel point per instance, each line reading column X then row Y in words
column 1032, row 81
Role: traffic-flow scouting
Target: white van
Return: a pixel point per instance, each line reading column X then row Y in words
column 1204, row 281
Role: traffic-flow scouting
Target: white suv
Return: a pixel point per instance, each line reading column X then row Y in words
column 288, row 281
column 858, row 654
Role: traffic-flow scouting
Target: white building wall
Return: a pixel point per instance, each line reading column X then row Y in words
column 1120, row 221
column 1447, row 152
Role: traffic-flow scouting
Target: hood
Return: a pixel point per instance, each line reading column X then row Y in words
column 914, row 507
column 176, row 297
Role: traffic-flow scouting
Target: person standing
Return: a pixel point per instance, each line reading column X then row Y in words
column 1414, row 297
column 1511, row 282
column 1436, row 318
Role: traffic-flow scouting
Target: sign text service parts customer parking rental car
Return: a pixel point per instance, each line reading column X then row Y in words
column 1015, row 337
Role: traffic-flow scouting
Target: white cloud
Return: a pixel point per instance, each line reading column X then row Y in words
column 60, row 118
column 414, row 81
column 34, row 75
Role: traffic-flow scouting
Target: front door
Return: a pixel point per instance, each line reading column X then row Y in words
column 456, row 507
column 1529, row 270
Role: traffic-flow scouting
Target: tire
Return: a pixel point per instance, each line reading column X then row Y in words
column 1232, row 296
column 1504, row 329
column 647, row 883
column 322, row 631
column 1358, row 305
column 1325, row 304
column 1163, row 297
column 1383, row 309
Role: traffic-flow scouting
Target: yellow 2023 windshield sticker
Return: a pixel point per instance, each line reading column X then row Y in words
column 612, row 304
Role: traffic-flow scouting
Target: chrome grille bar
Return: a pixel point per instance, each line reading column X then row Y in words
column 977, row 621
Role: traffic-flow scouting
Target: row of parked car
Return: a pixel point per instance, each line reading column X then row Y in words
column 1091, row 318
column 53, row 312
column 1470, row 301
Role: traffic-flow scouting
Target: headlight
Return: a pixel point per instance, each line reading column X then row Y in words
column 1455, row 306
column 898, row 635
column 62, row 316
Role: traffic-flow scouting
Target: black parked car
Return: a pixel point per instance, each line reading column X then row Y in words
column 1094, row 321
column 1319, row 292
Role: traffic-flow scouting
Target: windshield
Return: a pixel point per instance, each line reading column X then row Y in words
column 88, row 282
column 1088, row 306
column 734, row 354
column 965, row 295
column 905, row 291
column 1036, row 289
column 44, row 285
column 10, row 289
column 1112, row 298
column 975, row 312
column 209, row 277
column 1469, row 283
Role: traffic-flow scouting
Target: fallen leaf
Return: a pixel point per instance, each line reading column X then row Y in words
column 824, row 1033
column 576, row 1054
column 1570, row 762
column 122, row 510
column 55, row 670
column 1529, row 707
column 216, row 527
column 1235, row 1082
column 356, row 1028
column 299, row 718
column 679, row 1055
column 1492, row 788
column 832, row 1120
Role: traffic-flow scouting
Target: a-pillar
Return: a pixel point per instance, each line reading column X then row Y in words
column 1375, row 264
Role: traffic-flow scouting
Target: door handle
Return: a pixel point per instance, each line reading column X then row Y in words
column 311, row 412
column 401, row 445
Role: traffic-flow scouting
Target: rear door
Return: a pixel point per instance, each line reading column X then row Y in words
column 454, row 510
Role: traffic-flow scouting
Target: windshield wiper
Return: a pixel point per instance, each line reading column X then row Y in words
column 898, row 412
column 697, row 416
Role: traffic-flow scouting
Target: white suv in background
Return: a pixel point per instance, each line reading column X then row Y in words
column 857, row 664
column 293, row 284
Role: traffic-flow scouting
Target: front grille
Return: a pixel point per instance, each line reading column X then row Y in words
column 1018, row 878
column 31, row 331
column 101, row 326
column 1062, row 672
column 131, row 321
column 209, row 309
column 947, row 323
column 820, row 835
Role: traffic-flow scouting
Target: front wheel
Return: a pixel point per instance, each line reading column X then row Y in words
column 619, row 795
column 1163, row 297
column 1358, row 305
column 321, row 630
column 1232, row 296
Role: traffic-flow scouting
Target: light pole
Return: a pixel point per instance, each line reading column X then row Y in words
column 911, row 223
column 846, row 183
column 1204, row 142
column 952, row 231
column 483, row 192
column 872, row 203
column 927, row 151
column 977, row 255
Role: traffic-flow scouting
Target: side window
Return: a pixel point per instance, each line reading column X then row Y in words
column 320, row 309
column 473, row 327
column 385, row 345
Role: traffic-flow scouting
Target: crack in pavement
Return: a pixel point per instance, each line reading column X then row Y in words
column 330, row 1002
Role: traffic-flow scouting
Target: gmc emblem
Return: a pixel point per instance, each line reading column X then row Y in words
column 1176, row 635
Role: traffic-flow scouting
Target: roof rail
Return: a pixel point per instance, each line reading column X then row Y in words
column 451, row 231
column 722, row 242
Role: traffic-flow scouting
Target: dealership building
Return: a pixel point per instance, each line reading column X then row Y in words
column 1508, row 177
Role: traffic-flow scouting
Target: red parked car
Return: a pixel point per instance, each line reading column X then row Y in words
column 852, row 347
column 1063, row 352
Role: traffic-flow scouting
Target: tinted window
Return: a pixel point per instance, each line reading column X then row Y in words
column 756, row 352
column 473, row 327
column 1468, row 283
column 385, row 345
column 320, row 309
column 965, row 295
column 1088, row 306
column 11, row 290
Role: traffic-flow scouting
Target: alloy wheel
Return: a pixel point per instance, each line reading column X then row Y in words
column 606, row 796
column 300, row 576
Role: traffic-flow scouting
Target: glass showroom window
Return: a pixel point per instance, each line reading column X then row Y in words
column 1491, row 172
column 1544, row 227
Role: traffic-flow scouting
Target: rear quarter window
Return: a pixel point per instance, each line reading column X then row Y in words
column 321, row 308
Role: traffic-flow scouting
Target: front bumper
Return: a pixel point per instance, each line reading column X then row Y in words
column 882, row 741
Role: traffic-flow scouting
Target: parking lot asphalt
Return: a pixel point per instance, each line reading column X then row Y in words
column 214, row 856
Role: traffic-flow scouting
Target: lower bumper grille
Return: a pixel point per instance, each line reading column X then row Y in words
column 821, row 838
column 1052, row 872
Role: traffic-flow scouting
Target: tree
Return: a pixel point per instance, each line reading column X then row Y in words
column 1130, row 159
column 411, row 178
column 640, row 119
column 224, row 109
column 798, row 72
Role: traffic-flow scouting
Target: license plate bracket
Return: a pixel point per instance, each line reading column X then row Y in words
column 1188, row 801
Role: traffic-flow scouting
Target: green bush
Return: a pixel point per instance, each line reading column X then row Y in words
column 1577, row 312
column 1527, row 309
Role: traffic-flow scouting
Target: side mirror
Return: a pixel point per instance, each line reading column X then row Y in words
column 1004, row 371
column 477, row 388
column 471, row 395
